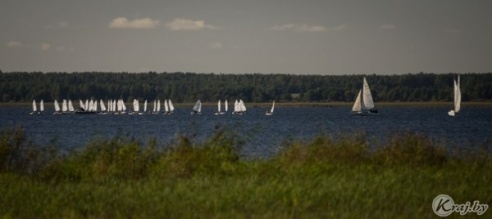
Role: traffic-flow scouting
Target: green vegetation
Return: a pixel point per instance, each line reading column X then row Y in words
column 328, row 176
column 188, row 87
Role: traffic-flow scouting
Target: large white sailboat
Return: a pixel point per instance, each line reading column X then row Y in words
column 197, row 108
column 269, row 113
column 457, row 98
column 239, row 107
column 364, row 104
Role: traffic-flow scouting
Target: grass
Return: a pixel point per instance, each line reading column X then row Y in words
column 327, row 176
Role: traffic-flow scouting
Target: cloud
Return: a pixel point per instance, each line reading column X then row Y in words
column 387, row 27
column 297, row 27
column 15, row 44
column 217, row 45
column 180, row 24
column 45, row 46
column 140, row 23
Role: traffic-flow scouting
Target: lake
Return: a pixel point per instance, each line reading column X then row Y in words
column 263, row 135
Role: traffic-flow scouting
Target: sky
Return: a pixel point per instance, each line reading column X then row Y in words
column 327, row 37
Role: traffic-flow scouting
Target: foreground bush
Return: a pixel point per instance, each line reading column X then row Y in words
column 328, row 176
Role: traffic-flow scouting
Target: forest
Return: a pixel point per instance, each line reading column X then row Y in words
column 188, row 87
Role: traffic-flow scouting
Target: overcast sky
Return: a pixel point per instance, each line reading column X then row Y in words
column 247, row 36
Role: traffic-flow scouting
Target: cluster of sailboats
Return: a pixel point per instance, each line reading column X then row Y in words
column 118, row 107
column 363, row 105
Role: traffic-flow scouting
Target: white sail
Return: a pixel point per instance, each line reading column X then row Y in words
column 155, row 106
column 136, row 105
column 237, row 106
column 242, row 106
column 273, row 107
column 123, row 106
column 103, row 107
column 166, row 106
column 457, row 96
column 171, row 106
column 81, row 104
column 87, row 106
column 158, row 106
column 95, row 105
column 198, row 106
column 145, row 106
column 226, row 106
column 358, row 103
column 218, row 106
column 57, row 106
column 34, row 107
column 41, row 105
column 367, row 96
column 64, row 105
column 70, row 106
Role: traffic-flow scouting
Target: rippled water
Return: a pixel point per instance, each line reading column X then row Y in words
column 262, row 134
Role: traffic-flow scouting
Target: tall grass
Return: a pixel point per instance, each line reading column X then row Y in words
column 327, row 176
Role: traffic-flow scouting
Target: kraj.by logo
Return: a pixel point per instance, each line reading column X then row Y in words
column 443, row 205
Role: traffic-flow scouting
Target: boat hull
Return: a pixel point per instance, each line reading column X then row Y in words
column 372, row 112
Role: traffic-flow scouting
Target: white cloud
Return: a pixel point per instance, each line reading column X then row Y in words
column 15, row 44
column 297, row 27
column 188, row 25
column 45, row 46
column 217, row 45
column 387, row 27
column 141, row 23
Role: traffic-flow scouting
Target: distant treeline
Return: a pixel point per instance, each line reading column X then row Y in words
column 188, row 87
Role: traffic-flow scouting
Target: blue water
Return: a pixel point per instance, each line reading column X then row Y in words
column 263, row 135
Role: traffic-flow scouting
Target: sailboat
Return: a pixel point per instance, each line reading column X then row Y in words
column 457, row 98
column 171, row 106
column 136, row 107
column 57, row 108
column 239, row 107
column 219, row 112
column 70, row 106
column 364, row 104
column 34, row 107
column 269, row 113
column 197, row 109
column 103, row 108
column 166, row 107
column 41, row 106
column 64, row 106
column 145, row 107
column 157, row 108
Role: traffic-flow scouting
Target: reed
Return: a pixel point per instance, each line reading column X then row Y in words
column 327, row 176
